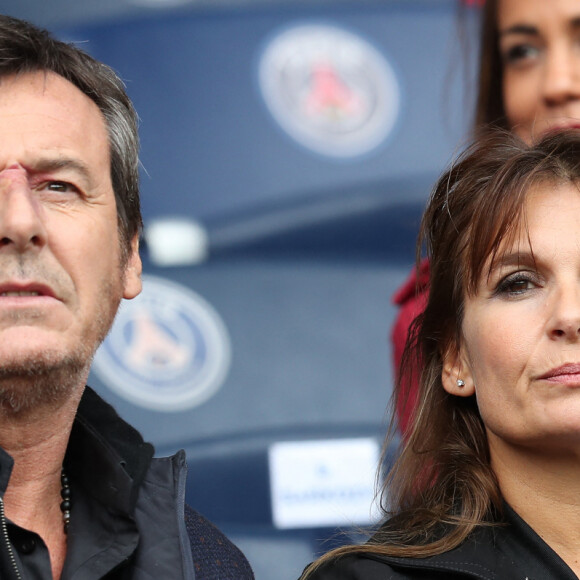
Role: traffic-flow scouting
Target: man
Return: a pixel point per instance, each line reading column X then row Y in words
column 81, row 496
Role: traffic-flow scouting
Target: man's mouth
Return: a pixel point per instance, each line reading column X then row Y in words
column 26, row 290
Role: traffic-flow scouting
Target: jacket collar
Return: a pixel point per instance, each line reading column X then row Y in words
column 475, row 558
column 508, row 551
column 107, row 454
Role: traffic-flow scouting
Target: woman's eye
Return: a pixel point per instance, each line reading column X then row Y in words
column 515, row 285
column 519, row 53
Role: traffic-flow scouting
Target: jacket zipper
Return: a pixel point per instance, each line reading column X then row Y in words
column 6, row 539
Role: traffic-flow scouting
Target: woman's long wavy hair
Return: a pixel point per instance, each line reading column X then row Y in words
column 442, row 485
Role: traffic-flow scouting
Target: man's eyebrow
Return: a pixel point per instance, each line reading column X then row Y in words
column 57, row 163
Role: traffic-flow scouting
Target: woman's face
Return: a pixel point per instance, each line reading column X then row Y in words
column 520, row 351
column 539, row 42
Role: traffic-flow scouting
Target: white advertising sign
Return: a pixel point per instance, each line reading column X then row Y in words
column 323, row 483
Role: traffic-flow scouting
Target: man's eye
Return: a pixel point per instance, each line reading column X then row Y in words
column 60, row 187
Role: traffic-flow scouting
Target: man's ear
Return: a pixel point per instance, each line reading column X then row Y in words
column 456, row 374
column 133, row 270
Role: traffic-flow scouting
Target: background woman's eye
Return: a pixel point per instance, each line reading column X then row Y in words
column 519, row 53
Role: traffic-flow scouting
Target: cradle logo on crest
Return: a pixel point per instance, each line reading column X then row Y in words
column 168, row 349
column 329, row 89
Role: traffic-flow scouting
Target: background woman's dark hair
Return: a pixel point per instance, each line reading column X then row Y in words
column 24, row 48
column 489, row 108
column 442, row 484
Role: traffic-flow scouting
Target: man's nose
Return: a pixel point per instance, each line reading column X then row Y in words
column 21, row 222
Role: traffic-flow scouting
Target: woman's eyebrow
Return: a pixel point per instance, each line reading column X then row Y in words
column 531, row 30
column 511, row 259
column 526, row 29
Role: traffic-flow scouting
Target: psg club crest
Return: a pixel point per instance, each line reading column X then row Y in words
column 329, row 89
column 168, row 349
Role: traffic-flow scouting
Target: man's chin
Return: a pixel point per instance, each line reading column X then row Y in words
column 32, row 382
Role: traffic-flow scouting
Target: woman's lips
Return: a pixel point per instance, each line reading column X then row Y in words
column 568, row 373
column 558, row 127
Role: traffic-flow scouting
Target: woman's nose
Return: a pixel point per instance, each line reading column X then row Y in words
column 562, row 76
column 565, row 320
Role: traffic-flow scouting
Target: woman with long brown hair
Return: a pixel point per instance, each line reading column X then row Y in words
column 529, row 83
column 487, row 485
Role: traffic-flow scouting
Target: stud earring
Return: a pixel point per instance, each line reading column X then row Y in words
column 460, row 383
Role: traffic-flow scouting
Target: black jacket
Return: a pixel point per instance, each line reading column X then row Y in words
column 129, row 520
column 505, row 552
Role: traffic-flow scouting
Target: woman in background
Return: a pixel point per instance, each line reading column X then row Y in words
column 487, row 485
column 529, row 82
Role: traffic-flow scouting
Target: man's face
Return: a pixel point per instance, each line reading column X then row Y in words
column 61, row 277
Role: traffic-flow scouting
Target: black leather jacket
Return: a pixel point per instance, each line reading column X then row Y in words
column 129, row 519
column 510, row 551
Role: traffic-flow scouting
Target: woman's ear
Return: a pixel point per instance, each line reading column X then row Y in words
column 456, row 375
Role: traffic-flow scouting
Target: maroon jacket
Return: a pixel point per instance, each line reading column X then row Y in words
column 411, row 298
